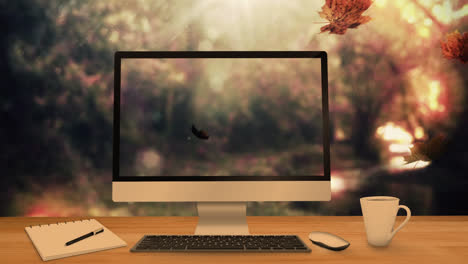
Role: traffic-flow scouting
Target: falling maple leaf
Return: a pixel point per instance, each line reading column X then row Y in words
column 455, row 46
column 344, row 14
column 427, row 150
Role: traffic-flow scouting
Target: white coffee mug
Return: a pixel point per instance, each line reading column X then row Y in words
column 379, row 214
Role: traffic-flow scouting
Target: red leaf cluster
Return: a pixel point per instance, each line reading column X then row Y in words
column 344, row 14
column 455, row 46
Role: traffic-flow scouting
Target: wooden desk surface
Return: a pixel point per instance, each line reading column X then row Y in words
column 425, row 239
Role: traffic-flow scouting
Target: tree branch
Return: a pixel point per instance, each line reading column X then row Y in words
column 429, row 15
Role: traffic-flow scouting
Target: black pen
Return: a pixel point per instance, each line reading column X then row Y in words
column 95, row 232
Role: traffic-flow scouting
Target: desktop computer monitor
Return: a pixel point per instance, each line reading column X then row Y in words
column 221, row 129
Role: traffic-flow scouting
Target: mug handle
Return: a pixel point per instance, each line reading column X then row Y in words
column 408, row 216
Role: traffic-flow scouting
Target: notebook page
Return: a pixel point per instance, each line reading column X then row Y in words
column 50, row 240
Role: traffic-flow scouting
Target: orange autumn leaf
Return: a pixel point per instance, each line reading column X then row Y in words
column 344, row 14
column 428, row 150
column 455, row 46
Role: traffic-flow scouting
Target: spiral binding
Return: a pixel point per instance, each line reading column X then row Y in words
column 31, row 226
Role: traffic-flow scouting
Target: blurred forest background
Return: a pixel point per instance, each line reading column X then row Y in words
column 390, row 88
column 263, row 117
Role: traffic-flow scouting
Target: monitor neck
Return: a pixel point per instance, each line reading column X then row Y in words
column 222, row 218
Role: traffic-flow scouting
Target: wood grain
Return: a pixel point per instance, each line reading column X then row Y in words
column 425, row 239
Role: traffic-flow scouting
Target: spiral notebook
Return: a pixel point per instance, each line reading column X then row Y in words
column 50, row 239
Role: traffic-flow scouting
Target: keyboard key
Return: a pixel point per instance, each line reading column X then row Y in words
column 179, row 247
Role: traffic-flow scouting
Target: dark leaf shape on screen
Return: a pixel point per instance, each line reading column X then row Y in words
column 344, row 14
column 201, row 134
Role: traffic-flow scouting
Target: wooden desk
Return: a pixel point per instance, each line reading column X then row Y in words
column 425, row 239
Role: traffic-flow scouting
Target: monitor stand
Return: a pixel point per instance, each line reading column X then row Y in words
column 222, row 218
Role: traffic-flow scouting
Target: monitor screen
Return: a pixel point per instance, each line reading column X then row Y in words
column 221, row 117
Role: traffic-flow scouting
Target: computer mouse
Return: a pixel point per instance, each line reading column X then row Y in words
column 328, row 241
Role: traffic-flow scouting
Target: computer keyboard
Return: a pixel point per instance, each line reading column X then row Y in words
column 218, row 243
